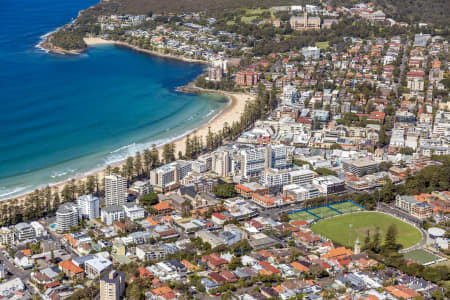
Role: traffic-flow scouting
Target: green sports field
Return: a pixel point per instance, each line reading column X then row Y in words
column 421, row 256
column 346, row 228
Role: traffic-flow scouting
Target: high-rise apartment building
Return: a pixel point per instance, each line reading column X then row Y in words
column 277, row 157
column 115, row 190
column 112, row 285
column 66, row 217
column 88, row 206
column 253, row 161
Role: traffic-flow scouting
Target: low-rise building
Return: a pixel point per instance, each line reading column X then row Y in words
column 133, row 211
column 209, row 237
column 24, row 231
column 112, row 213
column 415, row 208
column 6, row 236
column 329, row 184
column 97, row 266
column 360, row 167
column 150, row 252
column 70, row 269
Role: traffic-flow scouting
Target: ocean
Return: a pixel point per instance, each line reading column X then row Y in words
column 64, row 116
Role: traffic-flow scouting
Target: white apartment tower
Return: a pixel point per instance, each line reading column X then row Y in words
column 115, row 190
column 220, row 163
column 253, row 161
column 66, row 217
column 88, row 206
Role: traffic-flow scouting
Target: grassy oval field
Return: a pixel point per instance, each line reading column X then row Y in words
column 344, row 229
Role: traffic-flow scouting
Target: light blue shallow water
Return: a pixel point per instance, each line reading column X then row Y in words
column 64, row 116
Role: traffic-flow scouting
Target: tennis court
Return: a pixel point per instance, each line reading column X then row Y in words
column 346, row 207
column 324, row 212
column 301, row 216
column 421, row 256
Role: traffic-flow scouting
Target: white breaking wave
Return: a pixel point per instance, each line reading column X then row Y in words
column 5, row 192
column 57, row 174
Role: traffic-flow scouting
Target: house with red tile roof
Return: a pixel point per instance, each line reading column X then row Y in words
column 164, row 292
column 300, row 223
column 218, row 218
column 144, row 273
column 268, row 268
column 215, row 262
column 337, row 253
column 163, row 208
column 229, row 276
column 299, row 267
column 402, row 292
column 217, row 278
column 307, row 238
column 70, row 269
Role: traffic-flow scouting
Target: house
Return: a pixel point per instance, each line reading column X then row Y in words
column 402, row 292
column 267, row 269
column 299, row 267
column 215, row 262
column 337, row 253
column 269, row 292
column 229, row 276
column 218, row 218
column 208, row 284
column 162, row 292
column 307, row 238
column 179, row 203
column 70, row 269
column 23, row 259
column 144, row 273
column 163, row 208
column 217, row 278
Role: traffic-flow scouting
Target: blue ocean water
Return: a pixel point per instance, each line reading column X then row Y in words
column 63, row 116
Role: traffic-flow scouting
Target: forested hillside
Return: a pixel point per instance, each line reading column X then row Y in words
column 158, row 6
column 435, row 12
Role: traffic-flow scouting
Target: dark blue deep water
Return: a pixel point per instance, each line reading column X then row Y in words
column 63, row 116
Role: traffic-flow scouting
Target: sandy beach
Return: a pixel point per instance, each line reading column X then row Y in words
column 92, row 41
column 229, row 114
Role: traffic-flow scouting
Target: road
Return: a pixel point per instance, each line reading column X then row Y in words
column 398, row 213
column 408, row 218
column 402, row 66
column 17, row 272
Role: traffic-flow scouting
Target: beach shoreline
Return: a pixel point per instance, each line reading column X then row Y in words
column 93, row 41
column 228, row 114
